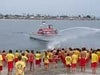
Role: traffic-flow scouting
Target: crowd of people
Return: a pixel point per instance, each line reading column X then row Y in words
column 71, row 58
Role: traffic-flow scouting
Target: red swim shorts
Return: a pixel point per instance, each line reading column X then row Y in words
column 94, row 64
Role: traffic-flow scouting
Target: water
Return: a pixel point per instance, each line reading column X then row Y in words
column 78, row 35
column 14, row 34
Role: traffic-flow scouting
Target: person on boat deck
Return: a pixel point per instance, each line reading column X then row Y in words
column 40, row 31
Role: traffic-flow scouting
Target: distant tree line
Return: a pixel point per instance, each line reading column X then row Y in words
column 47, row 17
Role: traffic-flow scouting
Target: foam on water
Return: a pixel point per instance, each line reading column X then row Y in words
column 69, row 34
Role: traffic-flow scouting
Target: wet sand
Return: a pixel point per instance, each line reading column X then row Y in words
column 60, row 70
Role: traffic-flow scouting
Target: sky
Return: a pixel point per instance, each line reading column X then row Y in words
column 51, row 7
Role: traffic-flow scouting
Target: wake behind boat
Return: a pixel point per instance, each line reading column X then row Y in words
column 45, row 33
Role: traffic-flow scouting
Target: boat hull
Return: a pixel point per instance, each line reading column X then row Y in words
column 46, row 38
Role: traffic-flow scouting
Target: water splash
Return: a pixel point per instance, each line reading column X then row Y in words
column 70, row 34
column 85, row 28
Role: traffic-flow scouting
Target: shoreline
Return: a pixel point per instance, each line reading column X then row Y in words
column 52, row 19
column 60, row 70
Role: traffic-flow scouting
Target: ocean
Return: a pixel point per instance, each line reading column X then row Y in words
column 14, row 34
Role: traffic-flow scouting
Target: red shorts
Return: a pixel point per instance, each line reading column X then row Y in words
column 82, row 62
column 37, row 62
column 73, row 65
column 51, row 60
column 68, row 65
column 63, row 61
column 10, row 65
column 94, row 64
column 0, row 68
column 31, row 61
column 16, row 59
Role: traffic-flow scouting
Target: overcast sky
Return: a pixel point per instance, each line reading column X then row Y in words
column 52, row 7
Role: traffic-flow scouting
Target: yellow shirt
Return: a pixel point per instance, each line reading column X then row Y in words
column 20, row 65
column 68, row 60
column 77, row 52
column 16, row 55
column 50, row 55
column 1, row 60
column 74, row 58
column 98, row 53
column 94, row 58
column 10, row 57
column 46, row 59
column 24, row 59
column 37, row 56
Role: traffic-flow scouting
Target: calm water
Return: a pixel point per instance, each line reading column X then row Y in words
column 14, row 34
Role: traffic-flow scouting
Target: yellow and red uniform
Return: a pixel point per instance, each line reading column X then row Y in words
column 98, row 53
column 46, row 60
column 37, row 58
column 94, row 60
column 1, row 64
column 10, row 58
column 77, row 53
column 50, row 57
column 74, row 60
column 68, row 60
column 16, row 56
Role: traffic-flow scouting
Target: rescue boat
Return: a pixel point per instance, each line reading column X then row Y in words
column 45, row 33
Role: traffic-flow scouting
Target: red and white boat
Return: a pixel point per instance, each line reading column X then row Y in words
column 45, row 33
